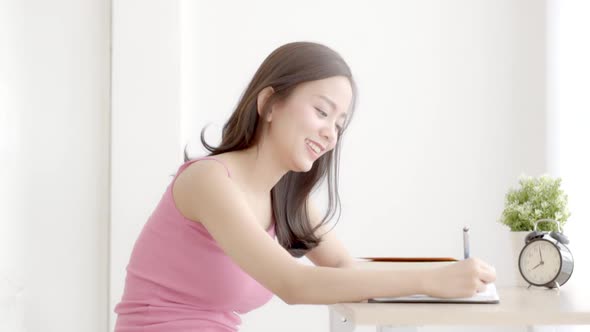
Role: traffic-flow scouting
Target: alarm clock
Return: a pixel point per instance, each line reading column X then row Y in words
column 545, row 260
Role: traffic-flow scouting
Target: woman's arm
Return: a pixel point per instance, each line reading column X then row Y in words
column 325, row 285
column 204, row 192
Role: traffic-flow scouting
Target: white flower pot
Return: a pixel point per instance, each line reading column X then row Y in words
column 517, row 243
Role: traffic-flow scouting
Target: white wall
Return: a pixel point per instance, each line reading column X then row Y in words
column 145, row 112
column 12, row 228
column 568, row 116
column 54, row 139
column 452, row 95
column 451, row 112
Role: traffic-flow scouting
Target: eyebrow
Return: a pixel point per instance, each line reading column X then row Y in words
column 333, row 105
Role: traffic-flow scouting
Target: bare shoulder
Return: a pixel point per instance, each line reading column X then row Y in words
column 199, row 182
column 205, row 193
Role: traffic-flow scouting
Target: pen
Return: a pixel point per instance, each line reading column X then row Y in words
column 466, row 242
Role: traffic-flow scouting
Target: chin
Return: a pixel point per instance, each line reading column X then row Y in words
column 302, row 165
column 302, row 168
column 308, row 168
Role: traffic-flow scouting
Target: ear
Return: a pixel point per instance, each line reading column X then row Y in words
column 262, row 99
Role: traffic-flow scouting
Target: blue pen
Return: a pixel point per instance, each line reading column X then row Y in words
column 466, row 242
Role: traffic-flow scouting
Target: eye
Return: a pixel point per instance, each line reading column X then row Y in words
column 323, row 114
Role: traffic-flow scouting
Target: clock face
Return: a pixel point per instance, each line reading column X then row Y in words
column 540, row 262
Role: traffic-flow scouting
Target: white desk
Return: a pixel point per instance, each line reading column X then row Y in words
column 517, row 307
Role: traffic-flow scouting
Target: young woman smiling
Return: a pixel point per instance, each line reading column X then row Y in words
column 226, row 234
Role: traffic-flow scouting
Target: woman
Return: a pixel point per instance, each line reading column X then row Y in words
column 208, row 251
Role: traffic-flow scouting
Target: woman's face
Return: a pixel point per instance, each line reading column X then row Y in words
column 306, row 125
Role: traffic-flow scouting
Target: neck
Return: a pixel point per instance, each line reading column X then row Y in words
column 259, row 169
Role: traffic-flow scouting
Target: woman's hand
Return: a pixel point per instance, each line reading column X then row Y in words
column 461, row 279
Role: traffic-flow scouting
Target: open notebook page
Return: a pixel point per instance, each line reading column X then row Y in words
column 489, row 295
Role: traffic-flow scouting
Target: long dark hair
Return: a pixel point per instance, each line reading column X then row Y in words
column 283, row 70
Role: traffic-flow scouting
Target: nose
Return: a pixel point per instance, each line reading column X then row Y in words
column 330, row 133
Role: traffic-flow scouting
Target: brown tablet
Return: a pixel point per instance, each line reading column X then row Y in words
column 409, row 259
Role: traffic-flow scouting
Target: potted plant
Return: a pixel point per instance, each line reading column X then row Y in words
column 536, row 198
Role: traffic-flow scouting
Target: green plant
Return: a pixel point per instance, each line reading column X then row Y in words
column 537, row 198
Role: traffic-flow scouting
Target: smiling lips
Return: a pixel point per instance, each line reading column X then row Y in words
column 315, row 146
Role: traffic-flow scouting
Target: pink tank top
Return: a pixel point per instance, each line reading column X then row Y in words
column 179, row 279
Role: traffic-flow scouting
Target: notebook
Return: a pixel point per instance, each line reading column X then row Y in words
column 489, row 295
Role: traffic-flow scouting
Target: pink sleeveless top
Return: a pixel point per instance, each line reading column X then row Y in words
column 179, row 279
